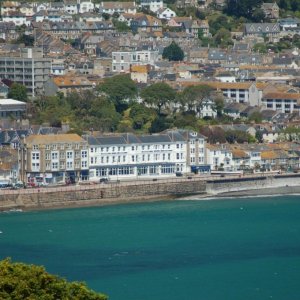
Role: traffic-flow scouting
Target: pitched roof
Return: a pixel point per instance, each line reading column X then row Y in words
column 55, row 138
column 278, row 95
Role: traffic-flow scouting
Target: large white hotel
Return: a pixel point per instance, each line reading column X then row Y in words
column 129, row 156
column 68, row 157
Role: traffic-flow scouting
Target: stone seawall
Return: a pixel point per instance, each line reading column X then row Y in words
column 91, row 195
column 228, row 186
column 99, row 194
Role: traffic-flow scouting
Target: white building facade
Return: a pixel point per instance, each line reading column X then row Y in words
column 129, row 156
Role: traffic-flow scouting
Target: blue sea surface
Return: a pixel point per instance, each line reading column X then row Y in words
column 214, row 249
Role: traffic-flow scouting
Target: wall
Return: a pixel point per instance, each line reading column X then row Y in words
column 228, row 185
column 99, row 194
column 147, row 190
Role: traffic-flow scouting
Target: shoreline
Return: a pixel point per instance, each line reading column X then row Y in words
column 92, row 196
column 254, row 193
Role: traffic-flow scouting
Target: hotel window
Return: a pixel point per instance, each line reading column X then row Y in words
column 169, row 156
column 83, row 154
column 35, row 166
column 132, row 158
column 55, row 165
column 177, row 146
column 62, row 146
column 113, row 149
column 124, row 158
column 119, row 158
column 84, row 164
column 92, row 160
column 164, row 156
column 62, row 165
column 177, row 155
column 107, row 159
column 54, row 147
column 62, row 155
column 47, row 147
column 92, row 150
column 54, row 155
column 77, row 146
column 35, row 156
column 69, row 155
column 69, row 164
column 77, row 164
column 35, row 147
column 47, row 156
column 47, row 166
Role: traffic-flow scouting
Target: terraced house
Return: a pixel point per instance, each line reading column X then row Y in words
column 53, row 159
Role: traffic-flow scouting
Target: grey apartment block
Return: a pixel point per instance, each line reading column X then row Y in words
column 30, row 68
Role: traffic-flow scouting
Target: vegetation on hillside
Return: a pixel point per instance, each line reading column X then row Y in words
column 22, row 281
column 120, row 105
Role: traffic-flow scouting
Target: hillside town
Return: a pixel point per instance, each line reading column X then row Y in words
column 107, row 91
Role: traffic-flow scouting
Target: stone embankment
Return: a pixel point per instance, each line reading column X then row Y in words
column 137, row 191
column 255, row 185
column 99, row 194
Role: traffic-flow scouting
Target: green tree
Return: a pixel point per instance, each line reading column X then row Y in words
column 141, row 115
column 159, row 124
column 283, row 4
column 193, row 97
column 260, row 48
column 18, row 92
column 218, row 23
column 26, row 39
column 119, row 89
column 295, row 5
column 173, row 52
column 219, row 106
column 223, row 38
column 158, row 95
column 21, row 281
column 238, row 136
column 242, row 8
column 106, row 16
column 256, row 117
column 121, row 26
column 258, row 15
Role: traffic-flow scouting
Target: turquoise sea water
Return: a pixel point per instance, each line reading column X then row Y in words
column 221, row 249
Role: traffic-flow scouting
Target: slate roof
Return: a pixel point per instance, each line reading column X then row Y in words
column 149, row 139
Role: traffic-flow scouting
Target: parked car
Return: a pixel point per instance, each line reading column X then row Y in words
column 103, row 180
